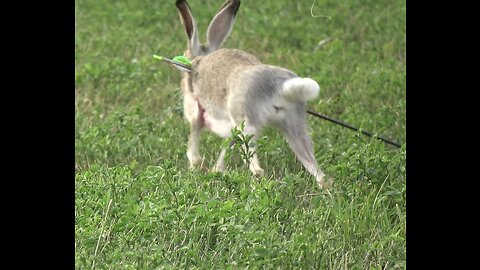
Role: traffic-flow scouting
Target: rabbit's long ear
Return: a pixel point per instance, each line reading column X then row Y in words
column 222, row 24
column 190, row 26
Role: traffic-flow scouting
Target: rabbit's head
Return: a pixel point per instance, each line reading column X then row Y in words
column 218, row 30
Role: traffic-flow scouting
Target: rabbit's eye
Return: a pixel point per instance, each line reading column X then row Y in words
column 277, row 108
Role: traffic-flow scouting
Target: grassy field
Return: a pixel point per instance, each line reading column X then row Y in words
column 138, row 206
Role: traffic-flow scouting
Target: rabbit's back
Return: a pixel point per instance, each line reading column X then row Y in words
column 210, row 74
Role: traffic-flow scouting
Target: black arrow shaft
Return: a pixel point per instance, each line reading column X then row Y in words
column 351, row 127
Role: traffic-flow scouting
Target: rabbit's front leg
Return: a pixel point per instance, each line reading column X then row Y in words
column 193, row 145
column 193, row 114
column 254, row 165
column 220, row 164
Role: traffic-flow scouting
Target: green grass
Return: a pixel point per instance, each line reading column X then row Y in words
column 138, row 206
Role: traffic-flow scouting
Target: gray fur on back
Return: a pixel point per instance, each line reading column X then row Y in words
column 253, row 90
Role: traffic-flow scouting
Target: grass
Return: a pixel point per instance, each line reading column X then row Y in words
column 137, row 204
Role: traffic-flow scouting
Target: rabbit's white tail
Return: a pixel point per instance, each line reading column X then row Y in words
column 300, row 89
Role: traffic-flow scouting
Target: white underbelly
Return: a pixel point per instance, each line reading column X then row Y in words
column 221, row 127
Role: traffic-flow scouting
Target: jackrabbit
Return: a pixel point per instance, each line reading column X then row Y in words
column 227, row 87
